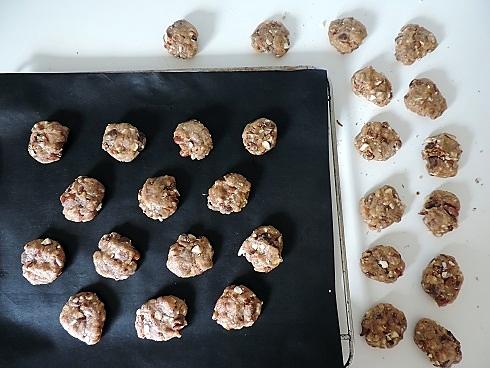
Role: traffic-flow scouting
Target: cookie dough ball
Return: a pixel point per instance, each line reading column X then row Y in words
column 190, row 256
column 82, row 200
column 237, row 307
column 346, row 34
column 161, row 319
column 83, row 317
column 425, row 99
column 47, row 141
column 442, row 153
column 372, row 85
column 117, row 259
column 229, row 194
column 413, row 43
column 263, row 248
column 441, row 211
column 382, row 263
column 440, row 345
column 383, row 326
column 382, row 208
column 260, row 136
column 377, row 141
column 193, row 139
column 159, row 198
column 271, row 37
column 180, row 39
column 42, row 261
column 123, row 141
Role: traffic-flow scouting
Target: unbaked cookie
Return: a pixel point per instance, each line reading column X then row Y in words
column 271, row 37
column 260, row 136
column 47, row 141
column 383, row 326
column 413, row 43
column 382, row 208
column 442, row 153
column 180, row 39
column 425, row 99
column 42, row 261
column 382, row 263
column 190, row 256
column 441, row 211
column 159, row 198
column 193, row 139
column 377, row 141
column 229, row 194
column 82, row 200
column 346, row 34
column 123, row 141
column 263, row 248
column 372, row 85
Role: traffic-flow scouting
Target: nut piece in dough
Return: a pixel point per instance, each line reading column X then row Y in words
column 159, row 198
column 161, row 319
column 441, row 211
column 383, row 326
column 117, row 258
column 229, row 194
column 442, row 153
column 237, row 307
column 440, row 345
column 190, row 256
column 271, row 37
column 425, row 99
column 263, row 248
column 377, row 141
column 83, row 317
column 180, row 39
column 193, row 139
column 413, row 43
column 382, row 208
column 82, row 200
column 346, row 34
column 260, row 136
column 47, row 141
column 372, row 85
column 123, row 141
column 382, row 263
column 42, row 261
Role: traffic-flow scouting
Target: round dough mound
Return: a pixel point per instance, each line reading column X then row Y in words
column 372, row 85
column 83, row 317
column 442, row 153
column 190, row 256
column 47, row 141
column 263, row 248
column 82, row 200
column 237, row 307
column 271, row 37
column 377, row 141
column 346, row 34
column 382, row 263
column 180, row 39
column 440, row 345
column 441, row 211
column 159, row 197
column 123, row 141
column 383, row 326
column 382, row 208
column 229, row 194
column 161, row 319
column 193, row 139
column 117, row 258
column 413, row 43
column 425, row 99
column 42, row 261
column 260, row 136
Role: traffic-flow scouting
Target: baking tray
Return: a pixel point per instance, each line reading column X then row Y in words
column 290, row 189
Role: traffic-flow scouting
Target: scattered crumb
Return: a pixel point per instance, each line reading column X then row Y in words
column 417, row 136
column 417, row 192
column 481, row 151
column 406, row 246
column 474, row 208
column 477, row 180
column 339, row 123
column 477, row 306
column 421, row 176
column 476, row 278
column 324, row 23
column 403, row 186
column 329, row 290
column 283, row 16
column 478, row 91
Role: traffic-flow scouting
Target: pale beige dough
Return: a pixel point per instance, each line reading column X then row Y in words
column 82, row 200
column 382, row 263
column 377, row 141
column 123, row 141
column 193, row 139
column 441, row 212
column 229, row 194
column 442, row 153
column 382, row 208
column 42, row 261
column 190, row 256
column 346, row 34
column 260, row 136
column 159, row 197
column 413, row 43
column 372, row 85
column 263, row 248
column 383, row 326
column 425, row 99
column 271, row 37
column 47, row 141
column 180, row 39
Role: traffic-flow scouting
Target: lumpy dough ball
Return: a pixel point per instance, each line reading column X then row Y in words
column 82, row 200
column 346, row 34
column 263, row 248
column 382, row 208
column 382, row 263
column 372, row 85
column 42, row 261
column 229, row 194
column 260, row 136
column 271, row 37
column 123, row 141
column 441, row 211
column 47, row 141
column 193, row 139
column 190, row 256
column 159, row 197
column 180, row 39
column 383, row 326
column 377, row 141
column 425, row 99
column 442, row 153
column 413, row 43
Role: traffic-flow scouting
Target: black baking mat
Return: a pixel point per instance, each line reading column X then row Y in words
column 290, row 190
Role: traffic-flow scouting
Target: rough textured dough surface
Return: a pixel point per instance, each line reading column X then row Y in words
column 377, row 141
column 440, row 345
column 159, row 198
column 42, row 261
column 161, row 319
column 117, row 258
column 425, row 99
column 180, row 39
column 413, row 43
column 193, row 139
column 83, row 317
column 441, row 211
column 346, row 34
column 47, row 140
column 382, row 208
column 123, row 141
column 442, row 153
column 382, row 263
column 190, row 256
column 383, row 326
column 82, row 200
column 229, row 194
column 237, row 307
column 271, row 37
column 372, row 85
column 263, row 248
column 260, row 136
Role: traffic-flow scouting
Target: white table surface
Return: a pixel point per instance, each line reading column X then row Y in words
column 96, row 35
